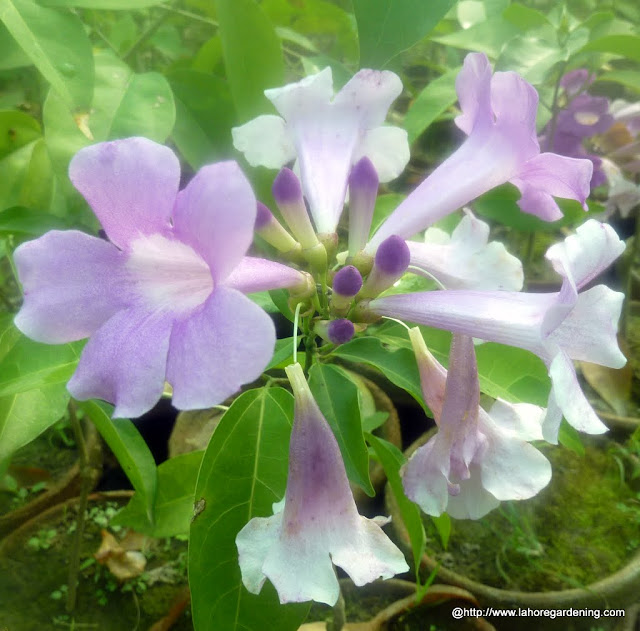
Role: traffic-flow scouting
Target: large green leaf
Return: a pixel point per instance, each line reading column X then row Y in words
column 174, row 499
column 435, row 99
column 124, row 104
column 243, row 472
column 252, row 54
column 398, row 365
column 623, row 45
column 11, row 55
column 387, row 27
column 58, row 46
column 129, row 448
column 204, row 116
column 392, row 459
column 337, row 397
column 33, row 392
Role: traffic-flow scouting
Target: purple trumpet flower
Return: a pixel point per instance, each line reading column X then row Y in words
column 319, row 524
column 327, row 134
column 558, row 327
column 499, row 115
column 163, row 299
column 477, row 459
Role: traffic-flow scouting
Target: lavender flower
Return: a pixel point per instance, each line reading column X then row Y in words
column 476, row 459
column 558, row 327
column 327, row 134
column 498, row 114
column 319, row 523
column 163, row 299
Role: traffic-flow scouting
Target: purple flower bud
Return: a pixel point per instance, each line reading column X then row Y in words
column 363, row 189
column 392, row 256
column 263, row 216
column 347, row 282
column 576, row 80
column 340, row 331
column 286, row 187
column 288, row 195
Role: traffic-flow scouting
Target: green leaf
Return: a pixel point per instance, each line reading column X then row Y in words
column 19, row 135
column 391, row 459
column 58, row 46
column 124, row 104
column 399, row 365
column 443, row 526
column 623, row 45
column 107, row 5
column 204, row 116
column 243, row 472
column 129, row 448
column 24, row 223
column 252, row 54
column 435, row 99
column 337, row 397
column 488, row 37
column 11, row 55
column 524, row 17
column 282, row 353
column 174, row 499
column 569, row 437
column 513, row 374
column 628, row 78
column 280, row 299
column 33, row 394
column 387, row 27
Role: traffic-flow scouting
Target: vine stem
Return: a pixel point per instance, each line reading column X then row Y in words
column 85, row 476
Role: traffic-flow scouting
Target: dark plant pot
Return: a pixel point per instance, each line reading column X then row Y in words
column 65, row 487
column 618, row 590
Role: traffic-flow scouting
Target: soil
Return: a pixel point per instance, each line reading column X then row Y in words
column 34, row 567
column 51, row 455
column 581, row 528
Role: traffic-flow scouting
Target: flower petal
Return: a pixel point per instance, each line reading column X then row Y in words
column 547, row 175
column 73, row 283
column 584, row 255
column 300, row 569
column 215, row 214
column 467, row 260
column 473, row 85
column 124, row 362
column 218, row 348
column 264, row 141
column 589, row 332
column 366, row 553
column 371, row 93
column 570, row 398
column 425, row 476
column 473, row 501
column 524, row 420
column 256, row 274
column 253, row 543
column 311, row 92
column 388, row 150
column 131, row 186
column 511, row 468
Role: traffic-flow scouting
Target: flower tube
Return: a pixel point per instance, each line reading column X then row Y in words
column 499, row 115
column 319, row 524
column 163, row 299
column 558, row 327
